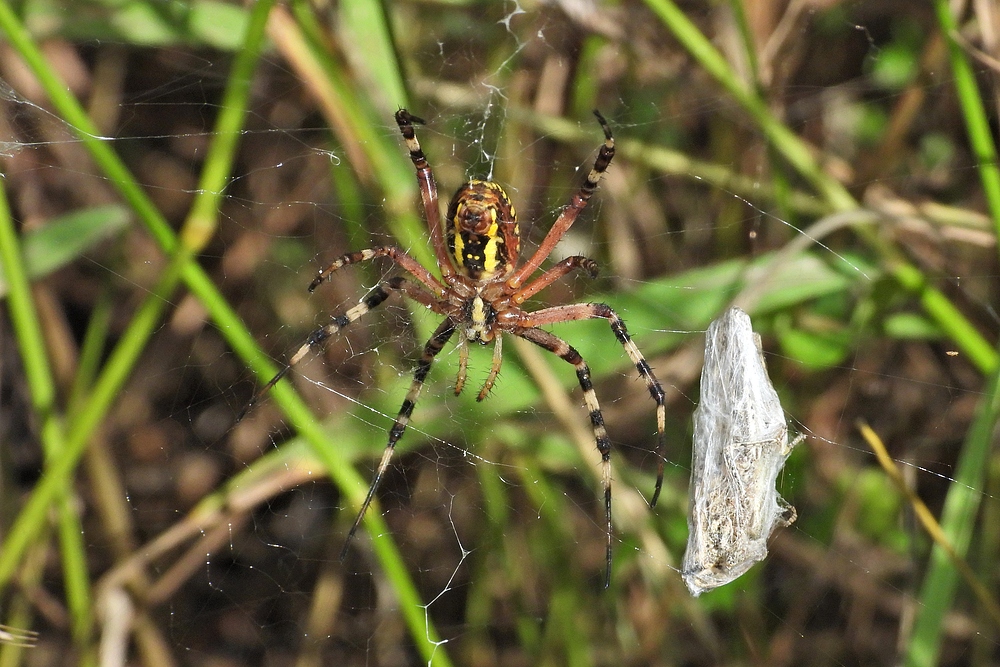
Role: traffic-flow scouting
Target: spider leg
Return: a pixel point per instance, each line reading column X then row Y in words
column 583, row 311
column 568, row 353
column 398, row 256
column 555, row 273
column 17, row 636
column 371, row 300
column 494, row 367
column 428, row 189
column 572, row 210
column 437, row 341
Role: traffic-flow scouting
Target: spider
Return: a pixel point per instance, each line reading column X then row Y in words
column 480, row 293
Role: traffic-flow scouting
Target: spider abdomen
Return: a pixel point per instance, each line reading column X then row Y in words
column 482, row 232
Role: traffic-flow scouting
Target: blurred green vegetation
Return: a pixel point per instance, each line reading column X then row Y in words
column 177, row 172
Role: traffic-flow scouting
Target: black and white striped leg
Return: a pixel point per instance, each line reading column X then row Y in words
column 390, row 252
column 568, row 353
column 572, row 211
column 428, row 190
column 431, row 349
column 652, row 384
column 317, row 338
column 583, row 311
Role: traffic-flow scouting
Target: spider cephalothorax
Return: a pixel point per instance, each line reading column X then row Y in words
column 480, row 293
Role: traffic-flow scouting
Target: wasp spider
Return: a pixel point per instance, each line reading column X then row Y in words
column 480, row 293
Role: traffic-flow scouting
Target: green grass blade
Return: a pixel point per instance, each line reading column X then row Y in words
column 373, row 152
column 27, row 328
column 148, row 23
column 76, row 575
column 202, row 220
column 91, row 353
column 133, row 342
column 974, row 113
column 72, row 114
column 344, row 475
column 789, row 146
column 41, row 384
column 958, row 518
column 33, row 515
column 798, row 154
column 961, row 508
column 239, row 338
column 366, row 22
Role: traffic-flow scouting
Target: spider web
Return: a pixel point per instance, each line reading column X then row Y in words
column 494, row 506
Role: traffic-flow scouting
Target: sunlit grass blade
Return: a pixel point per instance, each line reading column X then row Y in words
column 973, row 112
column 374, row 153
column 931, row 524
column 958, row 518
